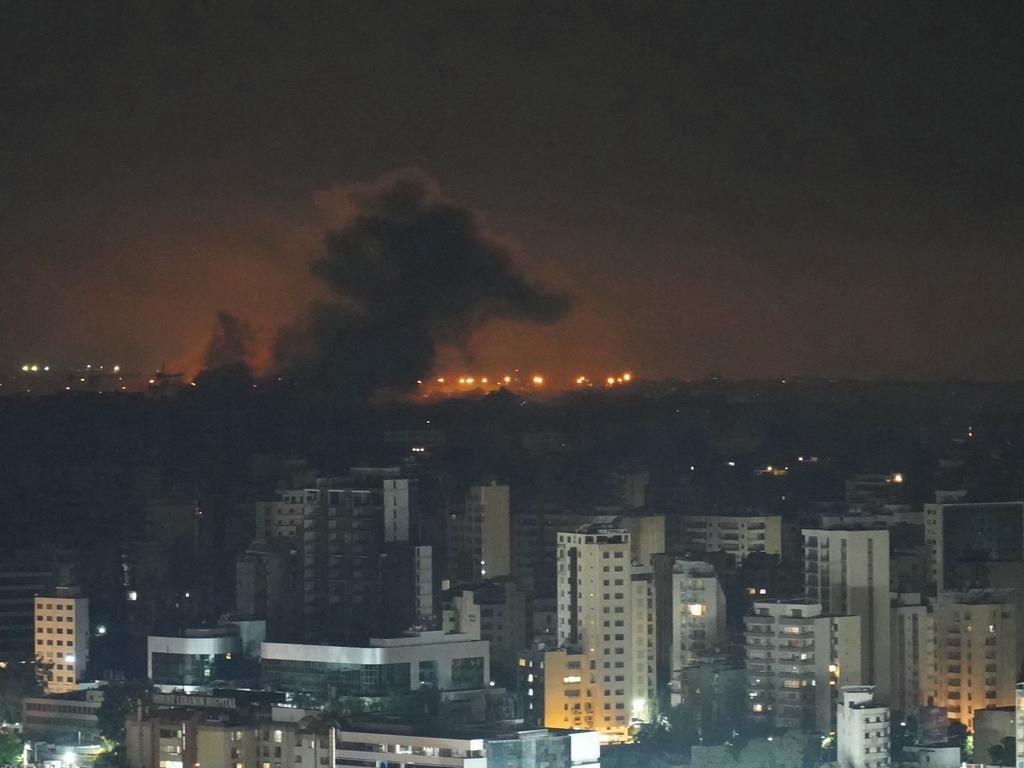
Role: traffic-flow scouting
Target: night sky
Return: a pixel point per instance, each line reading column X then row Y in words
column 754, row 189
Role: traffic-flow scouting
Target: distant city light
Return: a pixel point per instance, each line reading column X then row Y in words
column 101, row 630
column 538, row 380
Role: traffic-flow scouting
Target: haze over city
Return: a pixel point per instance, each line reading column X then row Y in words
column 511, row 384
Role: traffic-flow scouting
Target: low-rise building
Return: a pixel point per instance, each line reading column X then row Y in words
column 176, row 737
column 201, row 657
column 64, row 718
column 862, row 729
column 385, row 667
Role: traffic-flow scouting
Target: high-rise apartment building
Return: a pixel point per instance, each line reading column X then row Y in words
column 364, row 559
column 479, row 536
column 738, row 535
column 62, row 637
column 862, row 729
column 796, row 656
column 847, row 571
column 697, row 612
column 281, row 518
column 645, row 647
column 965, row 542
column 22, row 577
column 976, row 653
column 913, row 654
column 596, row 599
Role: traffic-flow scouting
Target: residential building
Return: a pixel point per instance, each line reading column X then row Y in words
column 963, row 540
column 867, row 494
column 645, row 647
column 501, row 605
column 976, row 650
column 715, row 687
column 401, row 509
column 926, row 756
column 646, row 535
column 268, row 584
column 479, row 536
column 288, row 736
column 862, row 729
column 698, row 615
column 591, row 677
column 535, row 546
column 281, row 517
column 529, row 685
column 483, row 747
column 63, row 718
column 22, row 577
column 913, row 654
column 62, row 637
column 847, row 571
column 796, row 656
column 737, row 535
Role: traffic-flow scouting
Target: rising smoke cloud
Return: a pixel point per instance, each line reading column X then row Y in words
column 407, row 271
column 231, row 344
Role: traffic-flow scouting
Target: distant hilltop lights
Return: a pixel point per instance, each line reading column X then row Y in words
column 466, row 382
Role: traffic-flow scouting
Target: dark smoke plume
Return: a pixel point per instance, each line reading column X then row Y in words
column 232, row 344
column 408, row 271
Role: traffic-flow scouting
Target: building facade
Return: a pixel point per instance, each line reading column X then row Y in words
column 386, row 667
column 796, row 657
column 913, row 654
column 62, row 638
column 594, row 673
column 962, row 540
column 976, row 653
column 862, row 729
column 479, row 537
column 847, row 571
column 738, row 535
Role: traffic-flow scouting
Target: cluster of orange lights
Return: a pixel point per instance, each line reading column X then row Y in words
column 535, row 380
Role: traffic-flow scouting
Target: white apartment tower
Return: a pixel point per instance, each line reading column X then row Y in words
column 847, row 571
column 62, row 637
column 596, row 596
column 698, row 612
column 862, row 729
column 976, row 650
column 795, row 657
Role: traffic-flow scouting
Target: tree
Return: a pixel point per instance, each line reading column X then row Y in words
column 11, row 749
column 19, row 681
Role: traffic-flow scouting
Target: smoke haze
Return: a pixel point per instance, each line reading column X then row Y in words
column 406, row 273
